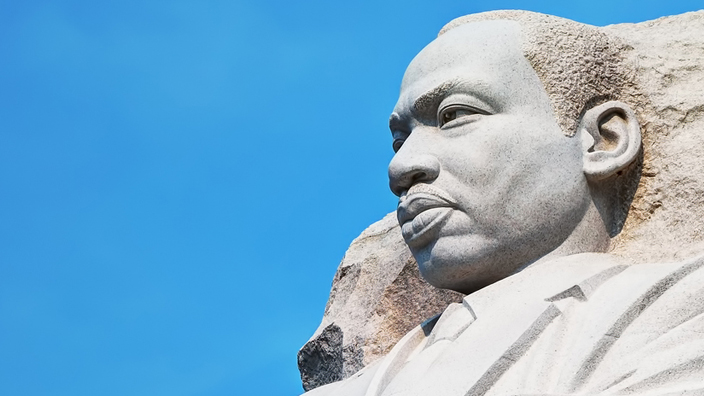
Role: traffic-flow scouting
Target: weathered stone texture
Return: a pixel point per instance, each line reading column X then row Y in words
column 320, row 360
column 377, row 297
column 666, row 220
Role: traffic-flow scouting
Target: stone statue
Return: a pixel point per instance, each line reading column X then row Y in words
column 521, row 146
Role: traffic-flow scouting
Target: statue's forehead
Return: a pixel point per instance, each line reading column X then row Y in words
column 485, row 46
column 486, row 56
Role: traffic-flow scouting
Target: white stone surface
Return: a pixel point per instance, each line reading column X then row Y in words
column 512, row 168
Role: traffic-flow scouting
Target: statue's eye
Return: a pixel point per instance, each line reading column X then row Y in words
column 452, row 113
column 448, row 116
column 397, row 144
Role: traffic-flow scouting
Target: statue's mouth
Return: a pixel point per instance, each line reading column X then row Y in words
column 422, row 212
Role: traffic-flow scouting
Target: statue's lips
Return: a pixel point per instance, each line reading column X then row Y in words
column 422, row 212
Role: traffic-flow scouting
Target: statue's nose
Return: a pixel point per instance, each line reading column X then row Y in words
column 408, row 168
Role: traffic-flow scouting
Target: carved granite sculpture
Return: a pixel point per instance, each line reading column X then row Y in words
column 543, row 171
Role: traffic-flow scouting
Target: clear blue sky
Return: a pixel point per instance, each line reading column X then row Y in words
column 179, row 180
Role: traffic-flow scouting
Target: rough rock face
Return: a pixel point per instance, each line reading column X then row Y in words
column 320, row 360
column 377, row 297
column 666, row 219
column 377, row 294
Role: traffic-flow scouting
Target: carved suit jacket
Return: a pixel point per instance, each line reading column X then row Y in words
column 579, row 325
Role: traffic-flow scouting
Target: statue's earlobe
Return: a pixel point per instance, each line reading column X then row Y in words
column 612, row 140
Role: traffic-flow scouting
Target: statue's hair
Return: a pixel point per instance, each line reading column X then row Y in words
column 579, row 65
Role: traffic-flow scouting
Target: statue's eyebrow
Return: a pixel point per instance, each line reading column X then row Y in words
column 426, row 103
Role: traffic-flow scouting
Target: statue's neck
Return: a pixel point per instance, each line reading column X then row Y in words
column 590, row 235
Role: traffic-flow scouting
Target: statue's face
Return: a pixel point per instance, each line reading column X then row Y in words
column 488, row 182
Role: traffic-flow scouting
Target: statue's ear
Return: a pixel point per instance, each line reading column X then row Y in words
column 610, row 138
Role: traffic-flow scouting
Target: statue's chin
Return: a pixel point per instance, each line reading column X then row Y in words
column 461, row 263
